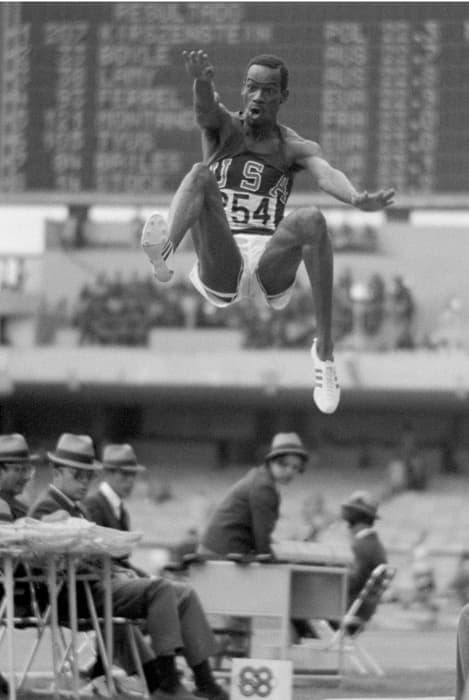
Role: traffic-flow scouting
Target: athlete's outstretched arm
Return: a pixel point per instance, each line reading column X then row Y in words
column 206, row 103
column 337, row 184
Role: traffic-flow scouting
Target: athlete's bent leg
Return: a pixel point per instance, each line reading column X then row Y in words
column 197, row 205
column 303, row 236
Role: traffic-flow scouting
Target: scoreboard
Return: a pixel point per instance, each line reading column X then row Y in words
column 94, row 97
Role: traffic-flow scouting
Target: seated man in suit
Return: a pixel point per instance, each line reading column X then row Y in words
column 16, row 469
column 360, row 512
column 174, row 617
column 105, row 506
column 120, row 470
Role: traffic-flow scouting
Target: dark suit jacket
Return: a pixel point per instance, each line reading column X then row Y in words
column 51, row 500
column 245, row 519
column 18, row 509
column 11, row 509
column 368, row 552
column 101, row 512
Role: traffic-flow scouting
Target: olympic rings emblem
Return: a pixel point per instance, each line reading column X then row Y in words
column 256, row 681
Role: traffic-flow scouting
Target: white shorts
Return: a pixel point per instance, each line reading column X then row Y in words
column 251, row 248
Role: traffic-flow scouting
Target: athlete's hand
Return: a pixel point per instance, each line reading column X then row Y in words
column 374, row 201
column 198, row 65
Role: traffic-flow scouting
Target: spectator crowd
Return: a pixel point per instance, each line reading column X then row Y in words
column 116, row 311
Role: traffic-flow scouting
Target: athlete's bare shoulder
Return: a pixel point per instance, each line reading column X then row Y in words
column 297, row 147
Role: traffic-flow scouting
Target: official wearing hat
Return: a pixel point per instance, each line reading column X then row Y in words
column 120, row 471
column 173, row 613
column 360, row 511
column 16, row 469
column 244, row 520
column 360, row 503
column 74, row 466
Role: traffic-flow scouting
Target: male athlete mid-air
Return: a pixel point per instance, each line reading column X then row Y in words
column 234, row 204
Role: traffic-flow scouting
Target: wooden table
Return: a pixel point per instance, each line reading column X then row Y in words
column 274, row 590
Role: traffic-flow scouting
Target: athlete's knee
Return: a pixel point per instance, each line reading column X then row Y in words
column 311, row 219
column 310, row 225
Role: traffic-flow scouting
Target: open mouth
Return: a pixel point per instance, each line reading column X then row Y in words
column 254, row 111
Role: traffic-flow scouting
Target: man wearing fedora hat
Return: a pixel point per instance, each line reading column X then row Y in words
column 174, row 616
column 244, row 520
column 75, row 466
column 105, row 506
column 120, row 470
column 16, row 469
column 360, row 511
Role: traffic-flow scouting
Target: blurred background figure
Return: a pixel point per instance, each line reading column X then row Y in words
column 460, row 583
column 402, row 311
column 316, row 517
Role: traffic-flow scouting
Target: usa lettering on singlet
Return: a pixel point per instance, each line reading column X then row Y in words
column 254, row 192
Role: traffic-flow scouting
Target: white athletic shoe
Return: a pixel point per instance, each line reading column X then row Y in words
column 158, row 248
column 326, row 385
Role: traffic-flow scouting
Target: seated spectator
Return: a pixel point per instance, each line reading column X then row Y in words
column 173, row 613
column 360, row 512
column 16, row 469
column 118, row 311
column 105, row 506
column 244, row 520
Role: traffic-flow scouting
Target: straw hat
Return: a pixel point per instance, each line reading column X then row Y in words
column 122, row 458
column 360, row 502
column 75, row 451
column 14, row 448
column 286, row 444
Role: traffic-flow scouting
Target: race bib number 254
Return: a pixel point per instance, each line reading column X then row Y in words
column 245, row 209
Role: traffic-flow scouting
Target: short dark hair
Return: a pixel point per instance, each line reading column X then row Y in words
column 271, row 61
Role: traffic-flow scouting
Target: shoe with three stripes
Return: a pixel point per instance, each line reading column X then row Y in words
column 326, row 392
column 158, row 247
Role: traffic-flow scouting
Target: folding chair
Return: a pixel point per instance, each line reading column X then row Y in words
column 352, row 625
column 96, row 624
column 65, row 653
column 33, row 616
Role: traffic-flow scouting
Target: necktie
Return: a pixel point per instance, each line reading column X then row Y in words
column 123, row 518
